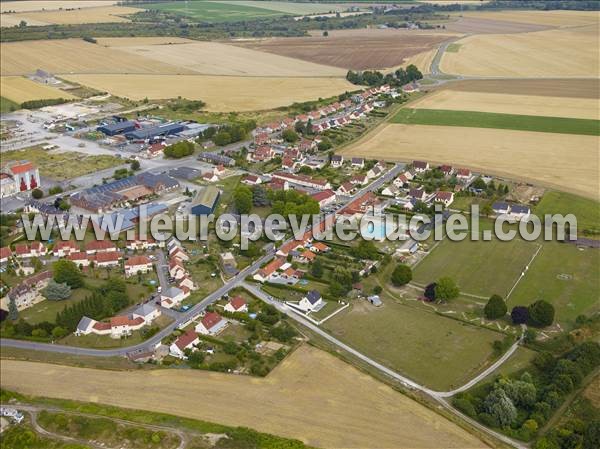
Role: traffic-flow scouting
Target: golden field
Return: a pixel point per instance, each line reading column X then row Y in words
column 132, row 41
column 38, row 5
column 563, row 161
column 560, row 53
column 214, row 58
column 220, row 93
column 549, row 18
column 74, row 56
column 587, row 108
column 102, row 14
column 421, row 60
column 19, row 90
column 311, row 396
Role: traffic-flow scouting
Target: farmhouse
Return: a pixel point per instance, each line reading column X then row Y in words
column 237, row 304
column 211, row 324
column 185, row 342
column 205, row 201
column 311, row 302
column 137, row 264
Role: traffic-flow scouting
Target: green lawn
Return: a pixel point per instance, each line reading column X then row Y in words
column 47, row 310
column 520, row 360
column 215, row 12
column 7, row 105
column 501, row 121
column 440, row 352
column 586, row 210
column 478, row 267
column 572, row 295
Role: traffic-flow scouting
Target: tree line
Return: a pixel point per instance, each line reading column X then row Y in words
column 376, row 78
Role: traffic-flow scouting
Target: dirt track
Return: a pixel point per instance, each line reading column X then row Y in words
column 311, row 396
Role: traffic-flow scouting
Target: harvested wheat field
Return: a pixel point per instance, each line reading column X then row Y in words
column 448, row 99
column 476, row 25
column 38, row 5
column 19, row 90
column 564, row 53
column 311, row 396
column 213, row 58
column 353, row 49
column 581, row 88
column 220, row 93
column 421, row 60
column 557, row 18
column 74, row 56
column 103, row 14
column 563, row 161
column 132, row 41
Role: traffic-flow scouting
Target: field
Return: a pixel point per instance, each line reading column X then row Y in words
column 531, row 156
column 7, row 105
column 354, row 49
column 536, row 123
column 549, row 18
column 222, row 94
column 567, row 53
column 334, row 398
column 412, row 341
column 19, row 90
column 74, row 56
column 216, row 11
column 478, row 267
column 38, row 5
column 63, row 165
column 587, row 211
column 103, row 14
column 507, row 103
column 564, row 276
column 213, row 58
column 475, row 25
column 289, row 7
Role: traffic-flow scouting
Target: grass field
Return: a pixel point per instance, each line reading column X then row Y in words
column 19, row 90
column 478, row 267
column 507, row 103
column 565, row 53
column 413, row 341
column 572, row 295
column 221, row 94
column 216, row 11
column 62, row 166
column 102, row 14
column 7, row 105
column 587, row 211
column 334, row 398
column 535, row 157
column 443, row 117
column 295, row 8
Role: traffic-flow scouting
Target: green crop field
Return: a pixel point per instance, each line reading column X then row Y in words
column 440, row 352
column 442, row 117
column 565, row 276
column 7, row 105
column 215, row 12
column 479, row 267
column 586, row 210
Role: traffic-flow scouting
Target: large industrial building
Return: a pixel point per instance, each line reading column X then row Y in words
column 205, row 201
column 113, row 129
column 152, row 132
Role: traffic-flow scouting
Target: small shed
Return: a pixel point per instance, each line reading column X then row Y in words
column 375, row 300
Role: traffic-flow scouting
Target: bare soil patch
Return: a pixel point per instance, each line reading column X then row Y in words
column 353, row 49
column 311, row 396
column 581, row 88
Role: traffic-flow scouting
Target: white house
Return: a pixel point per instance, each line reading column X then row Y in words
column 446, row 198
column 357, row 163
column 312, row 301
column 211, row 324
column 420, row 166
column 80, row 259
column 237, row 304
column 148, row 312
column 172, row 296
column 63, row 249
column 185, row 341
column 391, row 190
column 500, row 207
column 324, row 197
column 337, row 160
column 137, row 264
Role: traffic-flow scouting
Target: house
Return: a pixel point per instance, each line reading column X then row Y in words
column 324, row 198
column 417, row 194
column 391, row 190
column 319, row 247
column 251, row 180
column 172, row 296
column 303, row 180
column 357, row 163
column 463, row 173
column 137, row 264
column 187, row 341
column 100, row 246
column 178, row 253
column 219, row 170
column 347, row 188
column 186, row 283
column 176, row 269
column 446, row 198
column 148, row 312
column 63, row 249
column 358, row 179
column 22, row 251
column 337, row 160
column 447, row 170
column 122, row 326
column 28, row 292
column 375, row 172
column 237, row 304
column 5, row 254
column 420, row 166
column 143, row 244
column 519, row 213
column 80, row 259
column 305, row 256
column 312, row 301
column 265, row 273
column 38, row 249
column 401, row 181
column 500, row 207
column 211, row 324
column 210, row 176
column 110, row 259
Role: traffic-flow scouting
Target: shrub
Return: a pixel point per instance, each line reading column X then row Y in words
column 37, row 193
column 401, row 275
column 519, row 315
column 495, row 308
column 446, row 289
column 541, row 313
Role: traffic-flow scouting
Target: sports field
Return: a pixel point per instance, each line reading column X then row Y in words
column 216, row 11
column 442, row 117
column 478, row 267
column 566, row 53
column 19, row 90
column 507, row 103
column 311, row 396
column 102, row 14
column 439, row 352
column 221, row 93
column 530, row 156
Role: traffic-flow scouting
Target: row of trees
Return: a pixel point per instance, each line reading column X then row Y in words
column 375, row 78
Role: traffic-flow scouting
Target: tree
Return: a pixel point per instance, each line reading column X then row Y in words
column 13, row 312
column 37, row 193
column 59, row 332
column 135, row 165
column 289, row 135
column 519, row 315
column 55, row 291
column 401, row 275
column 541, row 313
column 325, row 33
column 500, row 407
column 591, row 435
column 65, row 271
column 316, row 269
column 487, row 210
column 242, row 197
column 446, row 289
column 495, row 308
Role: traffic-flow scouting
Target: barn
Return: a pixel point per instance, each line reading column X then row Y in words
column 205, row 201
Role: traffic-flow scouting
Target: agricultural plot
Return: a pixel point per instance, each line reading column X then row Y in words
column 335, row 397
column 506, row 103
column 531, row 156
column 565, row 276
column 412, row 341
column 295, row 8
column 475, row 25
column 587, row 211
column 443, row 117
column 103, row 14
column 566, row 53
column 38, row 5
column 19, row 90
column 216, row 11
column 213, row 58
column 479, row 268
column 557, row 18
column 221, row 94
column 354, row 49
